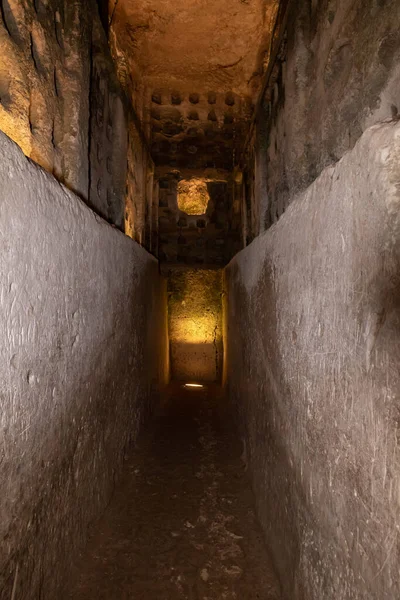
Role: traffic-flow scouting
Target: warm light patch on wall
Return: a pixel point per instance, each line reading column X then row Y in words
column 14, row 97
column 194, row 328
column 195, row 325
column 193, row 196
column 195, row 386
column 17, row 129
column 129, row 218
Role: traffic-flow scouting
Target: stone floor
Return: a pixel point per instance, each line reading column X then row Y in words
column 181, row 523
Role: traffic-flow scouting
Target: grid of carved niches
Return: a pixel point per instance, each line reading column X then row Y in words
column 209, row 239
column 198, row 130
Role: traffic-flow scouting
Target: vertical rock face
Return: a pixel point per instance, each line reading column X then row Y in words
column 108, row 144
column 195, row 324
column 121, row 168
column 83, row 324
column 337, row 74
column 61, row 102
column 139, row 196
column 44, row 84
column 313, row 352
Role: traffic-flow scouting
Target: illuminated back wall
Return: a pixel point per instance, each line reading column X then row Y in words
column 195, row 324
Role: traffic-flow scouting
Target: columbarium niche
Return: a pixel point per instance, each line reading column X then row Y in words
column 193, row 196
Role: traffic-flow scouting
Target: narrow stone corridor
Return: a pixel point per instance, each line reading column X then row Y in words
column 200, row 191
column 180, row 524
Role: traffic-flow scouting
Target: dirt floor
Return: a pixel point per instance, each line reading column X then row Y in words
column 181, row 523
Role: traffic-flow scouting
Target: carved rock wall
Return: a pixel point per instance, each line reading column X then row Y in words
column 313, row 347
column 338, row 73
column 61, row 101
column 84, row 353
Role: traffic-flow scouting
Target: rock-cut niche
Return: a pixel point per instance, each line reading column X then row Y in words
column 193, row 196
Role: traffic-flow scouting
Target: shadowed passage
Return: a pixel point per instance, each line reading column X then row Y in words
column 181, row 523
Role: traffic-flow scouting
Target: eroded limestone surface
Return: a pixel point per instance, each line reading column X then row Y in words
column 44, row 84
column 193, row 46
column 313, row 352
column 337, row 73
column 62, row 103
column 79, row 369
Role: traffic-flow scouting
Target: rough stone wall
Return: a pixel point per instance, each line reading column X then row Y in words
column 121, row 168
column 208, row 239
column 44, row 84
column 139, row 191
column 313, row 350
column 61, row 101
column 195, row 324
column 338, row 73
column 108, row 142
column 84, row 345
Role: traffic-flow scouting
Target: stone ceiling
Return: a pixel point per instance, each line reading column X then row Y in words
column 200, row 62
